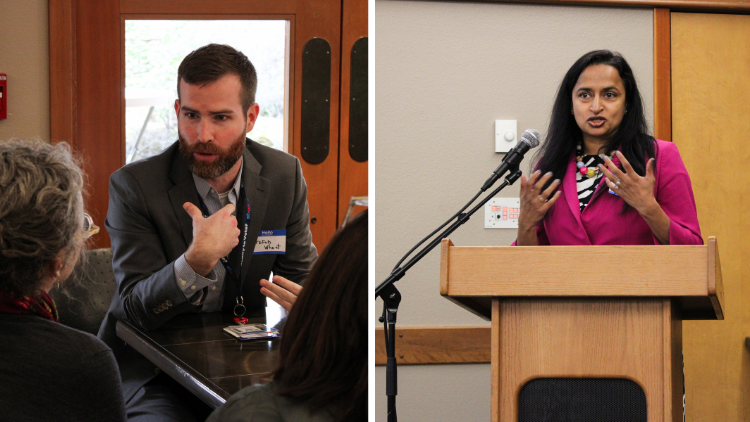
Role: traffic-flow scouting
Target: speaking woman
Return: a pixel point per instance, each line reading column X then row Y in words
column 601, row 179
column 47, row 371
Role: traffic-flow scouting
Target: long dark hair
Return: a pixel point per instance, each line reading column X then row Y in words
column 323, row 352
column 564, row 134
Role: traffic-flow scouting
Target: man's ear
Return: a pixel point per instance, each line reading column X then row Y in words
column 252, row 115
column 177, row 107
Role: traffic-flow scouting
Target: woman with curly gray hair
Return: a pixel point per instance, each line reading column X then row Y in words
column 47, row 371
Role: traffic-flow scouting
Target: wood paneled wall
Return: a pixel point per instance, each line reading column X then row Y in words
column 710, row 91
column 421, row 345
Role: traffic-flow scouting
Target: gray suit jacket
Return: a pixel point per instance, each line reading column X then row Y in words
column 149, row 230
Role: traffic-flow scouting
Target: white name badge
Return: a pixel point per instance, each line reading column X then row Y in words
column 271, row 242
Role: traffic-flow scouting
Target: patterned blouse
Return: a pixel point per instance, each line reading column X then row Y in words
column 587, row 185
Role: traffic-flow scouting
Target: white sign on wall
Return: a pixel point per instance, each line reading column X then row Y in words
column 502, row 213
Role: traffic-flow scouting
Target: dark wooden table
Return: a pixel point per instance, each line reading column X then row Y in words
column 194, row 350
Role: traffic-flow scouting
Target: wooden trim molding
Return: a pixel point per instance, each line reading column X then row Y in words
column 495, row 367
column 62, row 70
column 427, row 345
column 84, row 111
column 663, row 74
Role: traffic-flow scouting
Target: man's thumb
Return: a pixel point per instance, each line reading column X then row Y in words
column 192, row 211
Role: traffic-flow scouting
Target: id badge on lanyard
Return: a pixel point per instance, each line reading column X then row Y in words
column 239, row 307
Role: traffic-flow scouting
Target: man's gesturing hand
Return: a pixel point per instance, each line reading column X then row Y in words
column 213, row 237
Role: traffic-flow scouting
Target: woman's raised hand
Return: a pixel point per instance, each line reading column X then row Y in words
column 636, row 191
column 534, row 205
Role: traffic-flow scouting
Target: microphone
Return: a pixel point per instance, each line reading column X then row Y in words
column 529, row 139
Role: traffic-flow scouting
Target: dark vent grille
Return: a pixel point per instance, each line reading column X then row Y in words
column 581, row 400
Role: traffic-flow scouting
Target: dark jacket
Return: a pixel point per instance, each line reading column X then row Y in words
column 259, row 403
column 49, row 371
column 149, row 230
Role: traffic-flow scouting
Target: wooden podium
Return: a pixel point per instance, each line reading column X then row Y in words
column 586, row 312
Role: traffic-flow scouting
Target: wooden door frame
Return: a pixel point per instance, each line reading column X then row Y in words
column 76, row 33
column 662, row 74
column 663, row 56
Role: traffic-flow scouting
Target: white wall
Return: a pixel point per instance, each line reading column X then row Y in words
column 444, row 73
column 24, row 57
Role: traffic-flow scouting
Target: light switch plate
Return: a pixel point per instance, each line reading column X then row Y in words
column 502, row 213
column 506, row 135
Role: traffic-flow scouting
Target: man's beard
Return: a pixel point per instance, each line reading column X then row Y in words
column 211, row 170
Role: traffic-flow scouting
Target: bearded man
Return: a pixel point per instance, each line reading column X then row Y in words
column 179, row 246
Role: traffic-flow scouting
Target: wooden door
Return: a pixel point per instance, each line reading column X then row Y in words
column 352, row 167
column 87, row 85
column 710, row 126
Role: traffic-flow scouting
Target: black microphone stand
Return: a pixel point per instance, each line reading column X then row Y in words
column 391, row 296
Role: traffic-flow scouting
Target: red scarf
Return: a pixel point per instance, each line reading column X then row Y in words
column 42, row 305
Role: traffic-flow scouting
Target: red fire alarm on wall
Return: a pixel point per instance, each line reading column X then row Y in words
column 3, row 96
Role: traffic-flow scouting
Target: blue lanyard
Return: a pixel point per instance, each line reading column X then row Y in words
column 237, row 277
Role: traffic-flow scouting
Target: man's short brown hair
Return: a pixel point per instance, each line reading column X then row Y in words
column 211, row 62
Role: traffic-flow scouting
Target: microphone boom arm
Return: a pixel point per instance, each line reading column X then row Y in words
column 398, row 273
column 391, row 296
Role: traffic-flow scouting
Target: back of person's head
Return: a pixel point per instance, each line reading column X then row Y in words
column 213, row 61
column 41, row 211
column 324, row 343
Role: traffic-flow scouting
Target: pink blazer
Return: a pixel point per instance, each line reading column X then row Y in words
column 602, row 221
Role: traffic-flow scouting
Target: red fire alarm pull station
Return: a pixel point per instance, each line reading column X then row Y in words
column 3, row 96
